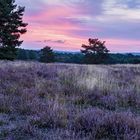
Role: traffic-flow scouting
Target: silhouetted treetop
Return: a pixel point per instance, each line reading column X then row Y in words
column 95, row 52
column 47, row 55
column 95, row 46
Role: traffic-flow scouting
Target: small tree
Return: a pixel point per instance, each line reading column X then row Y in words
column 96, row 52
column 47, row 55
column 11, row 27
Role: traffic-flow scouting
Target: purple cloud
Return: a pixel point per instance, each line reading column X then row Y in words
column 66, row 21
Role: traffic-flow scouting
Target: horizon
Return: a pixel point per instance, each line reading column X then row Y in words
column 74, row 51
column 113, row 21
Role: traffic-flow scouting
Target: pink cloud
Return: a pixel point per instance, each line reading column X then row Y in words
column 69, row 23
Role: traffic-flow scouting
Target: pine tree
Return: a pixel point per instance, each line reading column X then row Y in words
column 96, row 52
column 47, row 55
column 11, row 27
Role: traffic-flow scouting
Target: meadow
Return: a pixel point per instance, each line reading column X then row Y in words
column 69, row 101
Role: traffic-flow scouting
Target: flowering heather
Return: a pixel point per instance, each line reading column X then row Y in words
column 69, row 102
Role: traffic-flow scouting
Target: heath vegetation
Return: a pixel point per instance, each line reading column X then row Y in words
column 69, row 101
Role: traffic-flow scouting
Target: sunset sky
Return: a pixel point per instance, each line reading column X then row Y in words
column 67, row 24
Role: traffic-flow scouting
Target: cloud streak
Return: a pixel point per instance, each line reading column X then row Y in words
column 68, row 23
column 53, row 41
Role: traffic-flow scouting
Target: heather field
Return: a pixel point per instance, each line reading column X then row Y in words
column 69, row 102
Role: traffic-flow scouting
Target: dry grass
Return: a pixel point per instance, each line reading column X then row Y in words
column 69, row 102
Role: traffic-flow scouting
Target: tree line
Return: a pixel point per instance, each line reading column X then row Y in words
column 12, row 27
column 77, row 57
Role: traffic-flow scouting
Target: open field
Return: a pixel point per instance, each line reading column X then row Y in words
column 69, row 102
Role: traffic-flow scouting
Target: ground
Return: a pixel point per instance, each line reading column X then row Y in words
column 69, row 102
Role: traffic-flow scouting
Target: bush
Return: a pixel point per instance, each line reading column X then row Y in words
column 101, row 124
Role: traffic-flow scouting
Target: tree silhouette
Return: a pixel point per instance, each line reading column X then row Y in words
column 11, row 27
column 96, row 52
column 47, row 55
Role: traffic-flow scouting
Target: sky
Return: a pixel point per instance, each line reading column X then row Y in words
column 67, row 24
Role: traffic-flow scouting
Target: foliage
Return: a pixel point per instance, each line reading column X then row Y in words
column 47, row 55
column 11, row 27
column 32, row 55
column 96, row 52
column 69, row 57
column 124, row 59
column 78, row 58
column 22, row 54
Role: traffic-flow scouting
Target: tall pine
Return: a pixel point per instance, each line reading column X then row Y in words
column 11, row 27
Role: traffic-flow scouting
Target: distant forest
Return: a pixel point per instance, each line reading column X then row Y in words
column 78, row 57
